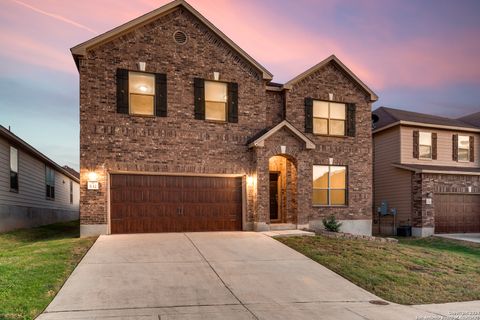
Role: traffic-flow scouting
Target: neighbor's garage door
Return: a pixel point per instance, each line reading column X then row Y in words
column 141, row 203
column 457, row 213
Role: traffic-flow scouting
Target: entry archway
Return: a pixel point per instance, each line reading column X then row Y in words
column 282, row 190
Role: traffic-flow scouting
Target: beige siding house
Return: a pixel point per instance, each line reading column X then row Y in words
column 34, row 190
column 426, row 173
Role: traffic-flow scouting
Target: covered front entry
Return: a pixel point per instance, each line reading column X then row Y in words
column 156, row 203
column 457, row 213
column 282, row 190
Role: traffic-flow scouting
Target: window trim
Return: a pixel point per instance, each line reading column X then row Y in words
column 205, row 101
column 329, row 205
column 71, row 192
column 153, row 115
column 420, row 146
column 10, row 169
column 458, row 149
column 328, row 119
column 47, row 185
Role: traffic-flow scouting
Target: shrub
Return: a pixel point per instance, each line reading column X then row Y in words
column 331, row 224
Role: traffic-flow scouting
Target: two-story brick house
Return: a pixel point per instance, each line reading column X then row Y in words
column 427, row 169
column 184, row 131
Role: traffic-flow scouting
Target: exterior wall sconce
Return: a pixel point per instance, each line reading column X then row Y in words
column 92, row 183
column 141, row 66
column 216, row 76
column 250, row 180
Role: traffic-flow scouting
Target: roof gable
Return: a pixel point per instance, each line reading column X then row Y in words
column 388, row 117
column 332, row 58
column 260, row 140
column 473, row 119
column 81, row 49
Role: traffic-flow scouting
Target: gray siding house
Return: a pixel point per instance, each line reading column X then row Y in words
column 34, row 190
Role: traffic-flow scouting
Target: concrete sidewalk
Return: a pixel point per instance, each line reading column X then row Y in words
column 224, row 275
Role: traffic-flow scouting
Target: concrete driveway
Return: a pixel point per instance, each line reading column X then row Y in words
column 471, row 237
column 231, row 275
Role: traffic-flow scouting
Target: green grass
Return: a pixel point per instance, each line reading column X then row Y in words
column 414, row 271
column 34, row 264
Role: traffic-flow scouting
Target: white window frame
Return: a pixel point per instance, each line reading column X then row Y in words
column 424, row 145
column 214, row 101
column 468, row 148
column 329, row 200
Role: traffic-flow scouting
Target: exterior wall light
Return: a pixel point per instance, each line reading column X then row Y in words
column 250, row 180
column 216, row 76
column 92, row 176
column 92, row 183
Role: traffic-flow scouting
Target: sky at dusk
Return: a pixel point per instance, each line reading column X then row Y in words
column 416, row 55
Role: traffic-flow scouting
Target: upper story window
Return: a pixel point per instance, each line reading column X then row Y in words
column 142, row 93
column 216, row 98
column 329, row 118
column 50, row 183
column 425, row 145
column 329, row 185
column 13, row 169
column 463, row 148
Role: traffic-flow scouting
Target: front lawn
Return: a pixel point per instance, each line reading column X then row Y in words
column 414, row 271
column 34, row 264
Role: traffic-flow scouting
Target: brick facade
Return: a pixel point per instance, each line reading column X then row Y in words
column 113, row 142
column 423, row 184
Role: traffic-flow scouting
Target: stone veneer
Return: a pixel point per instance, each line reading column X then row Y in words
column 113, row 142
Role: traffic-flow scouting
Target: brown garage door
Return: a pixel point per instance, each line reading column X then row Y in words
column 141, row 203
column 457, row 213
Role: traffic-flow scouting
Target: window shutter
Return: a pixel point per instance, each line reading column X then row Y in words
column 455, row 147
column 233, row 102
column 122, row 91
column 309, row 115
column 160, row 95
column 199, row 93
column 472, row 149
column 351, row 119
column 416, row 144
column 434, row 146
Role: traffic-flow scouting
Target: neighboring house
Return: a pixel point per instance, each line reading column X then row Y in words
column 182, row 130
column 34, row 190
column 427, row 168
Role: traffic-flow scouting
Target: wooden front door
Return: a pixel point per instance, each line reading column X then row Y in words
column 149, row 204
column 274, row 192
column 457, row 213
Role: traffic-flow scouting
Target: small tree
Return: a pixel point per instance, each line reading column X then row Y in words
column 331, row 224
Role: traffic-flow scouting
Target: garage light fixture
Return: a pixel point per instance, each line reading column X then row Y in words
column 92, row 176
column 250, row 180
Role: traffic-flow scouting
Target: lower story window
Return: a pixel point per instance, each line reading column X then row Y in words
column 329, row 185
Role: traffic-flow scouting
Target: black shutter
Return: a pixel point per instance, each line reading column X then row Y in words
column 455, row 147
column 122, row 91
column 351, row 119
column 434, row 146
column 199, row 93
column 233, row 102
column 416, row 144
column 472, row 149
column 160, row 95
column 309, row 115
